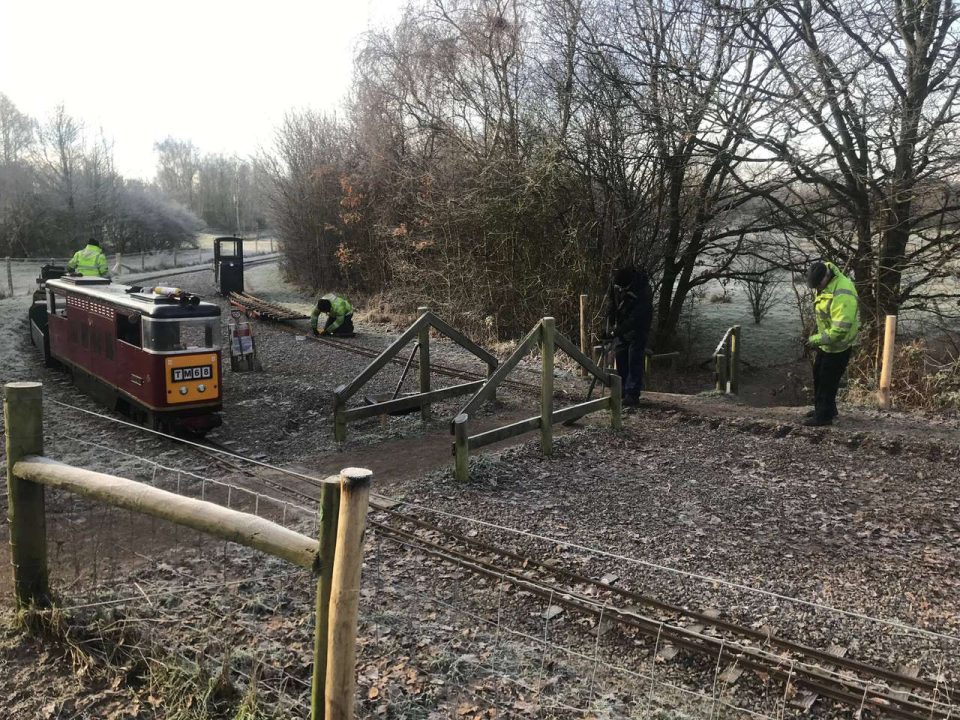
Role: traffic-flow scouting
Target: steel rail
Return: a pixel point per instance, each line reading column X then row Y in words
column 855, row 693
column 645, row 600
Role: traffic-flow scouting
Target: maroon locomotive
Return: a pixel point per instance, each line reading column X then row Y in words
column 154, row 356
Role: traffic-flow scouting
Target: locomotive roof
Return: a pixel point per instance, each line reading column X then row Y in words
column 118, row 295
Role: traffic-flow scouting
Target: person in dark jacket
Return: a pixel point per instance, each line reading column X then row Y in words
column 630, row 314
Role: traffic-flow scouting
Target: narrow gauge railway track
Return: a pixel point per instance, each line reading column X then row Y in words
column 852, row 682
column 261, row 309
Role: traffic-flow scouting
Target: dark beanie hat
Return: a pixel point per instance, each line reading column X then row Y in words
column 93, row 241
column 815, row 274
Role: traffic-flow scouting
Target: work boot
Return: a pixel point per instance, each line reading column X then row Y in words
column 813, row 414
column 631, row 401
column 817, row 422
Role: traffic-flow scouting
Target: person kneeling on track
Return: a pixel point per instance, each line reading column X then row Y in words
column 339, row 316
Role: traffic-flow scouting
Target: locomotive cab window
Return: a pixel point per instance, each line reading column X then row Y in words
column 56, row 304
column 181, row 335
column 128, row 328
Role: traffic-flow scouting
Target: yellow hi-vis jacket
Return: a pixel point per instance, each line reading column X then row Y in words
column 339, row 309
column 90, row 262
column 835, row 308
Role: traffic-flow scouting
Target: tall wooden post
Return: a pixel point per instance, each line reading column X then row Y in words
column 584, row 348
column 424, row 338
column 143, row 261
column 26, row 515
column 722, row 372
column 548, row 332
column 735, row 360
column 329, row 514
column 339, row 416
column 461, row 448
column 345, row 594
column 9, row 277
column 886, row 371
column 616, row 401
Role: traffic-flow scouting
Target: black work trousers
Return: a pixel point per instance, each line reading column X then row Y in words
column 631, row 355
column 346, row 327
column 828, row 368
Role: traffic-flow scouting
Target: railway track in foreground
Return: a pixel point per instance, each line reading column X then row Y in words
column 672, row 630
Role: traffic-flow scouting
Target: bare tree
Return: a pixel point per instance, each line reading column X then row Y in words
column 865, row 120
column 177, row 166
column 689, row 79
column 16, row 132
column 761, row 281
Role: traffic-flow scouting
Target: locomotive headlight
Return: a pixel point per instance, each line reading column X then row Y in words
column 183, row 390
column 201, row 387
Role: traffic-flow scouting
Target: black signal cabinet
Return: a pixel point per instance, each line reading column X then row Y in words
column 228, row 264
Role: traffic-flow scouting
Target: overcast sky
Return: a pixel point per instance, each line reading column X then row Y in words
column 218, row 72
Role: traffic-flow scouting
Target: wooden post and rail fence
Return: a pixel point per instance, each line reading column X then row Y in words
column 545, row 336
column 335, row 557
column 419, row 330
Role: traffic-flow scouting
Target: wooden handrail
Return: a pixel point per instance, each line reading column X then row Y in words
column 210, row 518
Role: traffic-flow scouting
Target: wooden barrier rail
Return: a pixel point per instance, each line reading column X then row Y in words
column 420, row 332
column 336, row 557
column 545, row 335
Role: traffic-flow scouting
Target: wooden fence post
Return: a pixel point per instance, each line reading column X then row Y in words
column 345, row 594
column 329, row 513
column 583, row 332
column 616, row 401
column 424, row 339
column 735, row 360
column 600, row 361
column 461, row 448
column 722, row 372
column 886, row 369
column 175, row 256
column 547, row 338
column 26, row 515
column 143, row 261
column 339, row 417
column 9, row 276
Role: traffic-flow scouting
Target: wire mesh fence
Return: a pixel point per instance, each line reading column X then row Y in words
column 167, row 615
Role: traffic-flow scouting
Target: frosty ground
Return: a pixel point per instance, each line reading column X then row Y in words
column 701, row 501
